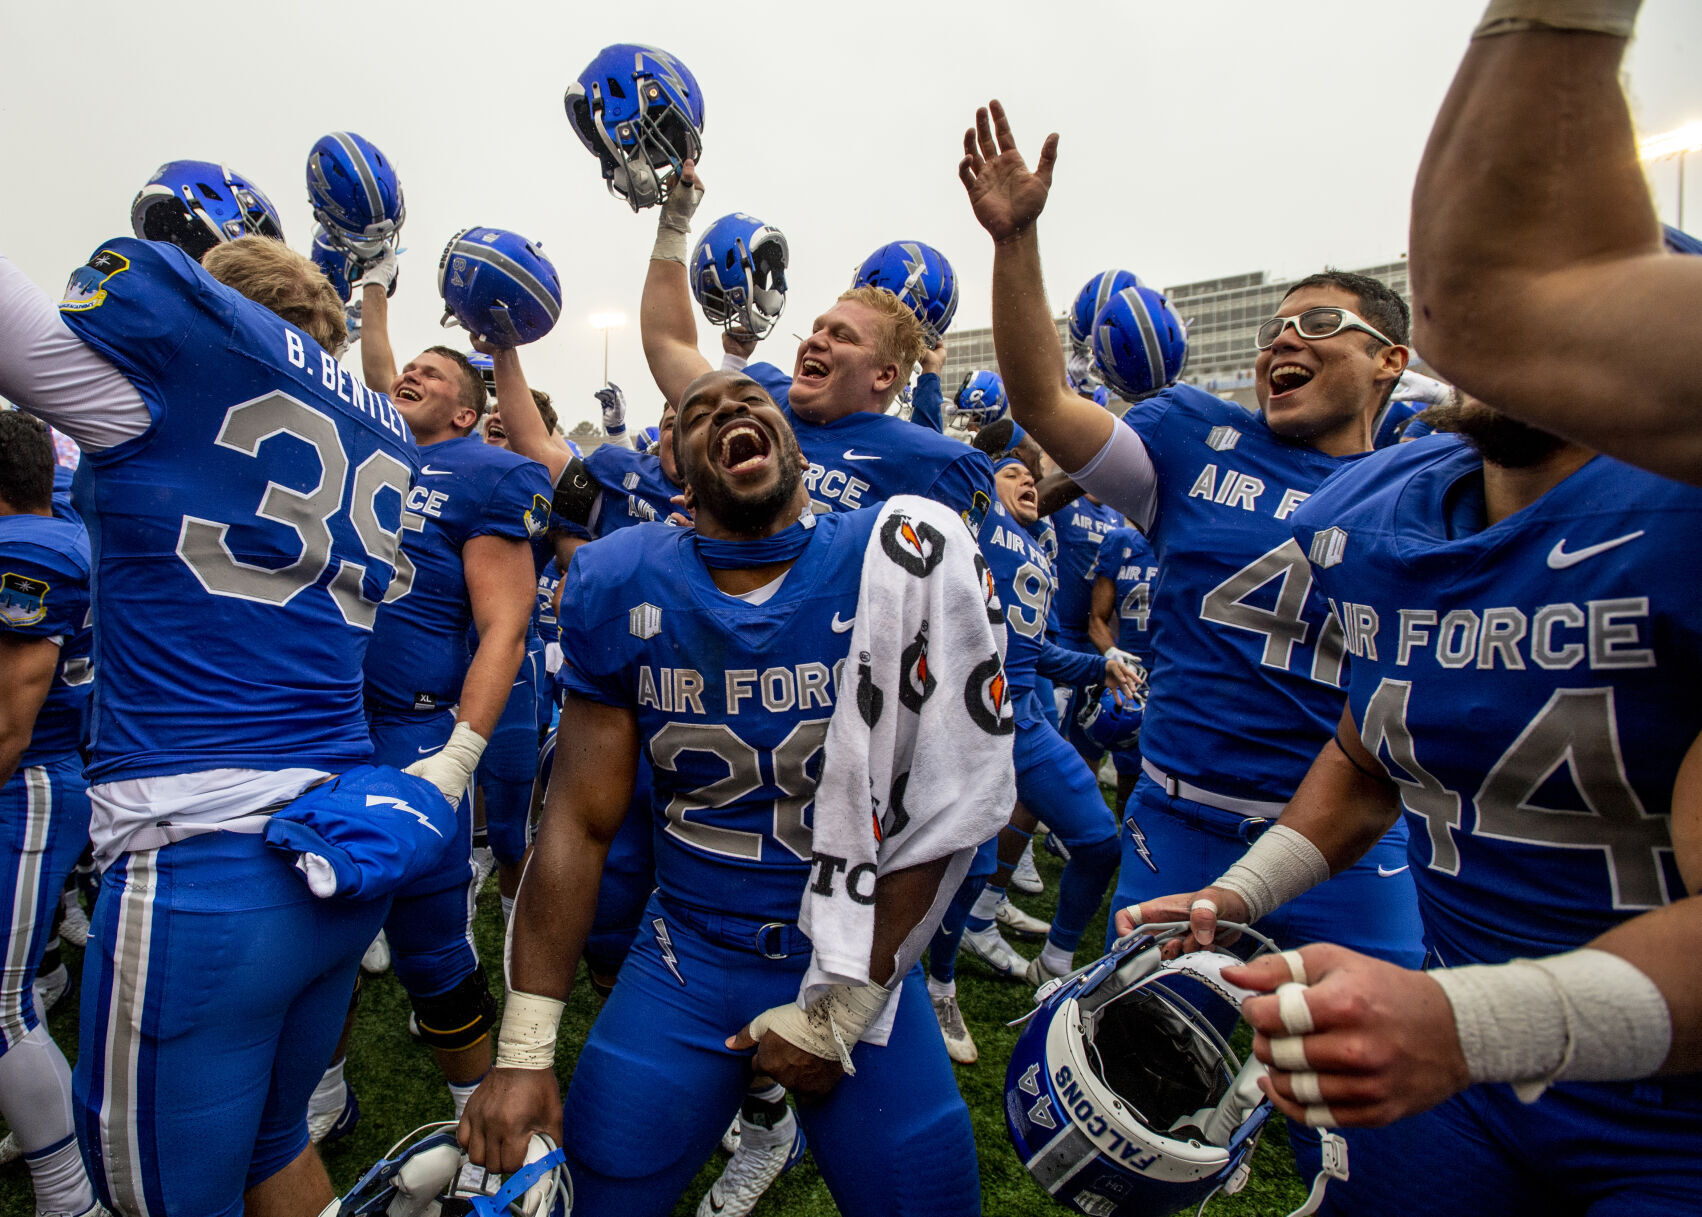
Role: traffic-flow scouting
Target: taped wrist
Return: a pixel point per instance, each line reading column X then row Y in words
column 1585, row 1016
column 451, row 768
column 528, row 1036
column 1281, row 865
column 832, row 1026
column 673, row 225
column 1615, row 17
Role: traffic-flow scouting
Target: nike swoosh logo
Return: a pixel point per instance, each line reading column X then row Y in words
column 838, row 626
column 1384, row 872
column 426, row 749
column 1559, row 559
column 851, row 454
column 433, row 473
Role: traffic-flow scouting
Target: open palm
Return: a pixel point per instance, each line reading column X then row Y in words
column 1007, row 197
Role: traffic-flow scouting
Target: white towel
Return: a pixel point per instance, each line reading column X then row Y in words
column 917, row 764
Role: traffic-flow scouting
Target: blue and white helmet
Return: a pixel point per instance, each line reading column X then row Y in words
column 919, row 275
column 485, row 366
column 1140, row 343
column 981, row 398
column 738, row 273
column 639, row 111
column 1095, row 294
column 499, row 285
column 1112, row 720
column 196, row 205
column 422, row 1174
column 340, row 267
column 354, row 192
column 1122, row 1098
column 647, row 438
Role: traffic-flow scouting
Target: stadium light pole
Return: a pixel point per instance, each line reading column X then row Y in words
column 606, row 322
column 1679, row 143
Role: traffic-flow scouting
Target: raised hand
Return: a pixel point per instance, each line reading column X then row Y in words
column 1006, row 196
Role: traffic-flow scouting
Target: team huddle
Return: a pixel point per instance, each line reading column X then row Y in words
column 760, row 714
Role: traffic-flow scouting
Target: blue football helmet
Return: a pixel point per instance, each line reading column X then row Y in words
column 422, row 1175
column 1095, row 294
column 196, row 205
column 1122, row 1098
column 1140, row 343
column 738, row 273
column 485, row 366
column 1112, row 720
column 919, row 275
column 499, row 285
column 981, row 398
column 354, row 193
column 335, row 262
column 646, row 438
column 639, row 111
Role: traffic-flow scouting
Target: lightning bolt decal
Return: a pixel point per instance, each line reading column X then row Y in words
column 665, row 944
column 390, row 800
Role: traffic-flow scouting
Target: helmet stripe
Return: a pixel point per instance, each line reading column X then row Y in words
column 1149, row 339
column 374, row 197
column 513, row 269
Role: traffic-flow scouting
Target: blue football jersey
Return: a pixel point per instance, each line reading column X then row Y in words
column 1080, row 526
column 242, row 542
column 1127, row 560
column 44, row 593
column 466, row 489
column 1022, row 576
column 544, row 619
column 733, row 700
column 864, row 459
column 1246, row 657
column 1529, row 685
column 635, row 490
column 1392, row 421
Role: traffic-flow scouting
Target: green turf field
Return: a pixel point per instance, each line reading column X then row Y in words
column 399, row 1089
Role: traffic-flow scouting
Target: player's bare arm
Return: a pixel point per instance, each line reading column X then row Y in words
column 589, row 793
column 1007, row 199
column 666, row 321
column 27, row 666
column 1531, row 211
column 503, row 590
column 1342, row 808
column 377, row 358
column 524, row 425
column 1057, row 490
column 1103, row 612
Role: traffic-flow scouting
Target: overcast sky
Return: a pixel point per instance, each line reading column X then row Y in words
column 1200, row 137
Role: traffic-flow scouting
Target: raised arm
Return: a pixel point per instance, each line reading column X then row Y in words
column 666, row 322
column 377, row 359
column 527, row 434
column 1538, row 276
column 1007, row 200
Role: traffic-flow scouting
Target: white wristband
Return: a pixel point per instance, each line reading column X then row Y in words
column 1585, row 1016
column 1281, row 865
column 528, row 1036
column 1616, row 17
column 832, row 1026
column 673, row 225
column 733, row 362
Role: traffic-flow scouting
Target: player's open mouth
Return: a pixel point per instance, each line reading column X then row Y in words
column 409, row 393
column 1287, row 377
column 493, row 430
column 742, row 447
column 812, row 368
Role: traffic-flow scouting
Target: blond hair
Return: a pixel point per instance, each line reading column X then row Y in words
column 273, row 275
column 900, row 340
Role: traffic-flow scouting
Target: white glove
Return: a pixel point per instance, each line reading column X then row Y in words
column 614, row 409
column 378, row 272
column 452, row 768
column 1122, row 657
column 673, row 225
column 1414, row 386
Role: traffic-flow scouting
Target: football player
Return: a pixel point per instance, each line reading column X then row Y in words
column 466, row 563
column 1123, row 578
column 644, row 610
column 1516, row 631
column 248, row 494
column 1081, row 528
column 1247, row 657
column 45, row 677
column 1540, row 281
column 846, row 374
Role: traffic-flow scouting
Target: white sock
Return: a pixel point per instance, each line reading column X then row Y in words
column 507, row 908
column 1057, row 960
column 61, row 1185
column 988, row 902
column 938, row 990
column 461, row 1094
column 332, row 1092
column 35, row 1092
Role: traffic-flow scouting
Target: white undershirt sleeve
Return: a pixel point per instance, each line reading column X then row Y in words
column 49, row 371
column 1122, row 474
